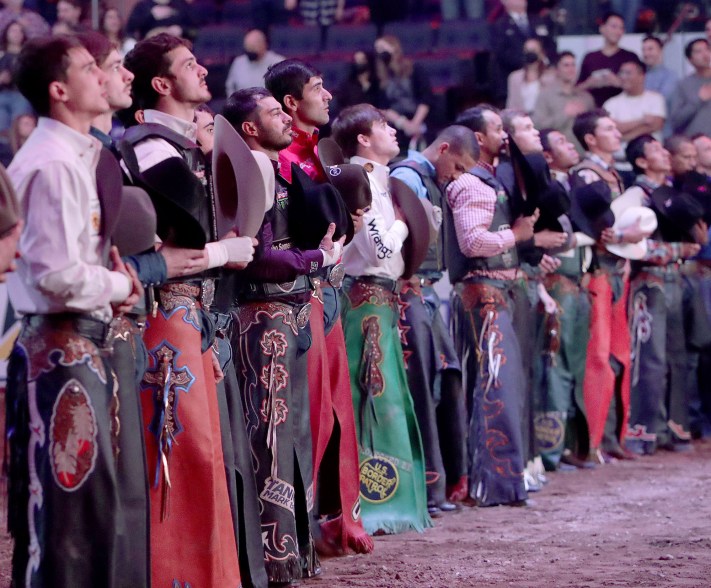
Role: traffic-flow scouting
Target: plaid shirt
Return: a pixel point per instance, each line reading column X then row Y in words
column 472, row 203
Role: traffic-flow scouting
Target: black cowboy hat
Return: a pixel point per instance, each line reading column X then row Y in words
column 312, row 207
column 414, row 250
column 135, row 229
column 553, row 202
column 590, row 208
column 698, row 186
column 178, row 197
column 532, row 177
column 677, row 213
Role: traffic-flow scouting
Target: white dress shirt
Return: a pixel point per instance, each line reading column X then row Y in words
column 376, row 250
column 61, row 267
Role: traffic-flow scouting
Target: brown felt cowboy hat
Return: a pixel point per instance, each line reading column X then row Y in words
column 349, row 179
column 243, row 181
column 414, row 250
column 136, row 224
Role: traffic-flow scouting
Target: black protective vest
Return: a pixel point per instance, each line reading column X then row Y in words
column 460, row 265
column 435, row 260
column 193, row 157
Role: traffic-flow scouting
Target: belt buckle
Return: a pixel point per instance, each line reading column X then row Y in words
column 302, row 317
column 207, row 293
column 286, row 287
column 336, row 275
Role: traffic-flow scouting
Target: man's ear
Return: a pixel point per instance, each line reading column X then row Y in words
column 479, row 138
column 57, row 91
column 443, row 147
column 290, row 104
column 161, row 85
column 641, row 163
column 249, row 128
column 363, row 140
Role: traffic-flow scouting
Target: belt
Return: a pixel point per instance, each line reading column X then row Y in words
column 262, row 290
column 385, row 283
column 201, row 290
column 97, row 331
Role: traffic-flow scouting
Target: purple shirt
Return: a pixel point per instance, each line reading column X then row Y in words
column 273, row 262
column 597, row 61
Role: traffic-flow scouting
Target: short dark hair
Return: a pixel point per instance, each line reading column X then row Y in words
column 461, row 140
column 562, row 55
column 289, row 77
column 674, row 143
column 242, row 106
column 611, row 14
column 147, row 60
column 43, row 60
column 636, row 61
column 97, row 44
column 353, row 121
column 508, row 115
column 657, row 40
column 635, row 150
column 690, row 46
column 545, row 137
column 473, row 118
column 586, row 122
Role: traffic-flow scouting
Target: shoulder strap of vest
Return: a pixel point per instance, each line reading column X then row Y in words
column 605, row 175
column 138, row 133
column 420, row 169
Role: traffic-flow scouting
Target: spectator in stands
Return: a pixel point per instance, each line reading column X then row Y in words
column 629, row 10
column 112, row 28
column 703, row 153
column 168, row 16
column 561, row 101
column 248, row 69
column 598, row 72
column 636, row 112
column 33, row 23
column 690, row 104
column 456, row 9
column 659, row 78
column 508, row 35
column 683, row 154
column 405, row 92
column 12, row 103
column 70, row 14
column 320, row 12
column 20, row 129
column 707, row 29
column 361, row 86
column 524, row 85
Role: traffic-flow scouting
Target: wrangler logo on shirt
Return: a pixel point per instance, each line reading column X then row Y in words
column 383, row 252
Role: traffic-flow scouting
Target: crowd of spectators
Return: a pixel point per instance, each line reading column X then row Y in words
column 516, row 64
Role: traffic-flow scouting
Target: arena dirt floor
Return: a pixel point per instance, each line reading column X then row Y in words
column 636, row 524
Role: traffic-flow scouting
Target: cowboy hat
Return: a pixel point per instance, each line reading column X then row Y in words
column 628, row 217
column 243, row 180
column 414, row 250
column 135, row 228
column 352, row 183
column 312, row 207
column 678, row 213
column 590, row 208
